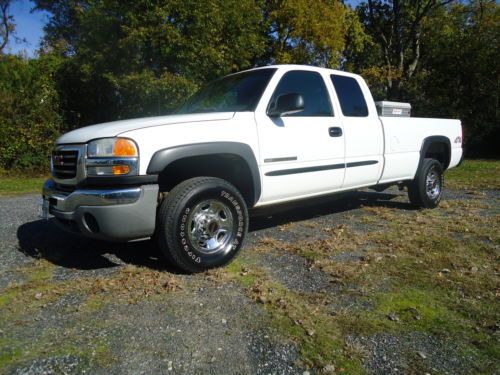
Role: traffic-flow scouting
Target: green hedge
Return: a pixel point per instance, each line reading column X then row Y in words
column 29, row 112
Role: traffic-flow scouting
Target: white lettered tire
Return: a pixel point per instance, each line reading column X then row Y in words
column 426, row 190
column 202, row 223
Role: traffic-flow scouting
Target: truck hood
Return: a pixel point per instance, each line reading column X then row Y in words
column 113, row 129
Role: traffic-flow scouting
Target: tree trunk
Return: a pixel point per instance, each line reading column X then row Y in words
column 5, row 24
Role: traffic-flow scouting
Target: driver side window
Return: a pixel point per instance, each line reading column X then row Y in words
column 312, row 88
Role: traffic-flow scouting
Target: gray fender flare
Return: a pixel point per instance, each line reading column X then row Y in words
column 428, row 142
column 163, row 158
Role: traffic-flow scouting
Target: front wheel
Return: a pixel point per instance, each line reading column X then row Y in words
column 202, row 223
column 426, row 190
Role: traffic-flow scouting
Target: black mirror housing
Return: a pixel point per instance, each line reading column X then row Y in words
column 287, row 104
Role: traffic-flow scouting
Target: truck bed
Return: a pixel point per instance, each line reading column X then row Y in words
column 403, row 140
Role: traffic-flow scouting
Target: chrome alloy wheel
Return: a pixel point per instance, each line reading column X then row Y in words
column 433, row 183
column 210, row 226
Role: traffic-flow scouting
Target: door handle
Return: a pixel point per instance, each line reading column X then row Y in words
column 335, row 132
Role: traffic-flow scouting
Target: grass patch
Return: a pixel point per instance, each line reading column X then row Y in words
column 9, row 353
column 50, row 343
column 20, row 185
column 415, row 309
column 19, row 297
column 429, row 271
column 243, row 274
column 475, row 174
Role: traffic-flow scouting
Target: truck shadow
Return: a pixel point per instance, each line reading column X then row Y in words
column 44, row 239
column 263, row 218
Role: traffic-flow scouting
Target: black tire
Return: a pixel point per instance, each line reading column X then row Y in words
column 202, row 224
column 426, row 189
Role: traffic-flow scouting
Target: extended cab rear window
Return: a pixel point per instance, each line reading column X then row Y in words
column 351, row 98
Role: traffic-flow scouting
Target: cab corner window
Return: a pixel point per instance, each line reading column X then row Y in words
column 351, row 98
column 311, row 87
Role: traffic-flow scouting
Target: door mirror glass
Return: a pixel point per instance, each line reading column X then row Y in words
column 287, row 104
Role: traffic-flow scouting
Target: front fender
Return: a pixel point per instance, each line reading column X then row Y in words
column 163, row 158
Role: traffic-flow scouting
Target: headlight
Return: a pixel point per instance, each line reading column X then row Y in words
column 109, row 147
column 112, row 157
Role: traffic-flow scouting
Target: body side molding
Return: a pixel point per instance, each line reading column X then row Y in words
column 361, row 163
column 283, row 172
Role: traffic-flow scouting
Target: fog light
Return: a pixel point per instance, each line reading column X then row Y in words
column 112, row 166
column 99, row 171
column 120, row 169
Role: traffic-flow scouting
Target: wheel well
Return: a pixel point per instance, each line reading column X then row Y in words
column 229, row 167
column 439, row 151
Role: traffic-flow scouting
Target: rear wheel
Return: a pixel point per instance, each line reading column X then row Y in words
column 426, row 190
column 202, row 223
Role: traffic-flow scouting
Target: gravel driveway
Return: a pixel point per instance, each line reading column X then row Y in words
column 87, row 306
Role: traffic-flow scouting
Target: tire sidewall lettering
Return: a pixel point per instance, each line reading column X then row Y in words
column 183, row 240
column 239, row 215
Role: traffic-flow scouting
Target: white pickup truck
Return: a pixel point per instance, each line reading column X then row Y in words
column 260, row 137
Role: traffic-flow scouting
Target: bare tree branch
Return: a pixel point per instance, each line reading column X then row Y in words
column 385, row 42
column 5, row 25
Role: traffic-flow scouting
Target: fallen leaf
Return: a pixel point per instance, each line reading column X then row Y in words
column 422, row 355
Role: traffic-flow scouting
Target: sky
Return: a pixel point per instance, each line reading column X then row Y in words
column 29, row 26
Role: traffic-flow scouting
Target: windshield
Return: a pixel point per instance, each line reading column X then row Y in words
column 235, row 93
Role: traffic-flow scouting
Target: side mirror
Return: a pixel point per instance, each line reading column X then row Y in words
column 286, row 104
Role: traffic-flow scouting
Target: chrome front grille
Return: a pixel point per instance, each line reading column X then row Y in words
column 64, row 164
column 68, row 164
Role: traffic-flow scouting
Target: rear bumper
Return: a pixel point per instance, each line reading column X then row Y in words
column 120, row 214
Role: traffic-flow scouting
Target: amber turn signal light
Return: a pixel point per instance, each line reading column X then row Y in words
column 124, row 147
column 120, row 169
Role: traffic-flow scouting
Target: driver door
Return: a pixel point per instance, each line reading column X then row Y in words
column 301, row 154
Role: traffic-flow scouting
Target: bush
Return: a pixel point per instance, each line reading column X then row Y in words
column 29, row 117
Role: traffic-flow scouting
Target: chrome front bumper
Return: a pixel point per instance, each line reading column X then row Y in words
column 65, row 201
column 114, row 214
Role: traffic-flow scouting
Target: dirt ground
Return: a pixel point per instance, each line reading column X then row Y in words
column 360, row 283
